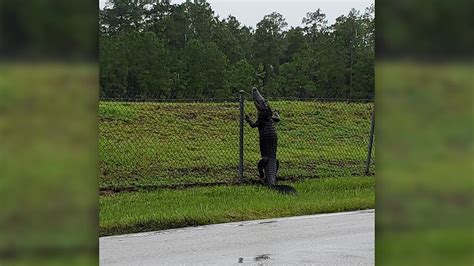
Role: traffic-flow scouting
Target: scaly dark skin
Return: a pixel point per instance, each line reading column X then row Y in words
column 268, row 165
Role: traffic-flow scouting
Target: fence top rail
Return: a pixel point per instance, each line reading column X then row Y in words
column 318, row 99
column 182, row 100
column 235, row 99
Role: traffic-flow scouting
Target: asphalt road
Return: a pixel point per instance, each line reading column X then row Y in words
column 326, row 239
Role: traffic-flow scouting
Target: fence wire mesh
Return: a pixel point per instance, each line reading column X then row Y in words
column 196, row 142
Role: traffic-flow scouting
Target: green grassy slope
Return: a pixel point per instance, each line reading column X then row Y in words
column 174, row 143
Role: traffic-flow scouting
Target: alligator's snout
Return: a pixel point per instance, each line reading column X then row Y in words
column 258, row 99
column 256, row 95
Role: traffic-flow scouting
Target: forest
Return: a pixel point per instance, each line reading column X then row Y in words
column 172, row 51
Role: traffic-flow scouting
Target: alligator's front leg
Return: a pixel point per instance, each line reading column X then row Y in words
column 276, row 117
column 251, row 123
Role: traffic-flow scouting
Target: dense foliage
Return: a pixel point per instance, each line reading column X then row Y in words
column 184, row 50
column 53, row 29
column 425, row 29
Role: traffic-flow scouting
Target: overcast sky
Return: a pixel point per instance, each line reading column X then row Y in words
column 250, row 12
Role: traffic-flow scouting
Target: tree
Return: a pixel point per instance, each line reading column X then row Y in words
column 205, row 68
column 355, row 35
column 134, row 64
column 315, row 23
column 226, row 36
column 201, row 20
column 269, row 44
column 241, row 76
column 122, row 16
column 295, row 41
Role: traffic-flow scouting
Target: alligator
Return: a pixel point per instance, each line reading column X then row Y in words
column 268, row 165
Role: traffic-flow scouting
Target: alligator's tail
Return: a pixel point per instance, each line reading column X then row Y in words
column 283, row 189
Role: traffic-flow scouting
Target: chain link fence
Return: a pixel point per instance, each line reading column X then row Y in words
column 170, row 143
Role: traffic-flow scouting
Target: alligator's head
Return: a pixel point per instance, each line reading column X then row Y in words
column 263, row 108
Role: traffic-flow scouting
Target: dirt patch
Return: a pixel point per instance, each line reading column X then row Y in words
column 111, row 191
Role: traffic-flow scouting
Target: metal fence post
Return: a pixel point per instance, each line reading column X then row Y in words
column 371, row 142
column 241, row 137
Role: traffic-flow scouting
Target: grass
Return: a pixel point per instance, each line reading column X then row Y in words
column 424, row 200
column 154, row 143
column 163, row 209
column 48, row 188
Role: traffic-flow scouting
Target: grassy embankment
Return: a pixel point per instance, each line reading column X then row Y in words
column 143, row 144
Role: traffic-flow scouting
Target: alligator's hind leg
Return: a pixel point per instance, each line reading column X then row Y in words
column 261, row 166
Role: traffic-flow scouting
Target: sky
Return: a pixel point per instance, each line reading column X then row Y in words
column 250, row 12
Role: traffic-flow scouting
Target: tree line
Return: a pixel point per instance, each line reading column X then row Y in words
column 165, row 50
